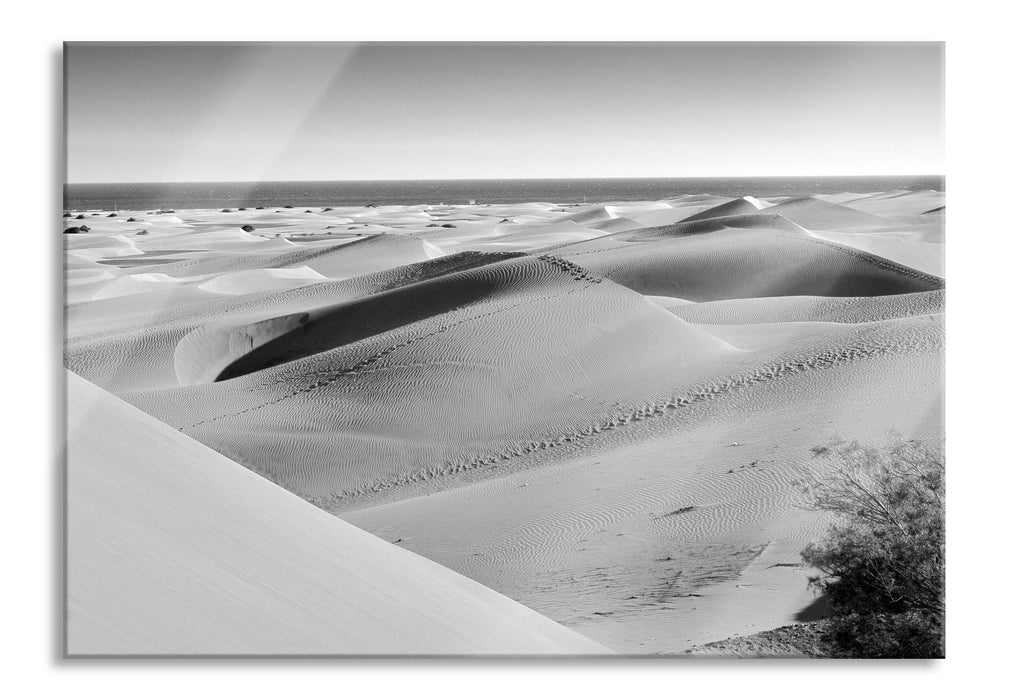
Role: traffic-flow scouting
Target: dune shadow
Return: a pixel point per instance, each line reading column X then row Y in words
column 817, row 610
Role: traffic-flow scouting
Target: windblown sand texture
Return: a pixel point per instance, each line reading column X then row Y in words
column 209, row 558
column 596, row 410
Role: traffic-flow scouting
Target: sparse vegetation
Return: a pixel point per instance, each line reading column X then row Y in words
column 883, row 562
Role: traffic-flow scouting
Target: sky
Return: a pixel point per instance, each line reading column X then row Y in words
column 255, row 112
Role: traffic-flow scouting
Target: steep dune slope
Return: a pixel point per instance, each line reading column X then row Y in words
column 173, row 549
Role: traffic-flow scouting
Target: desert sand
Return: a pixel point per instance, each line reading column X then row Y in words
column 598, row 410
column 174, row 549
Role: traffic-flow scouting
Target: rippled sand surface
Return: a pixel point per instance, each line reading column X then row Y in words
column 597, row 410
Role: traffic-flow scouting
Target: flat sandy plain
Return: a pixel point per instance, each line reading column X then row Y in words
column 526, row 429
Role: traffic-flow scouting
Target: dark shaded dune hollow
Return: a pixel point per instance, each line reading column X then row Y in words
column 286, row 338
column 327, row 328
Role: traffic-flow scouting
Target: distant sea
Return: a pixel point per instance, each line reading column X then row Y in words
column 213, row 195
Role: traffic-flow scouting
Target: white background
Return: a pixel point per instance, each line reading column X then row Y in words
column 31, row 344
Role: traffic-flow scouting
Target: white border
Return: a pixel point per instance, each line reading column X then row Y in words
column 976, row 138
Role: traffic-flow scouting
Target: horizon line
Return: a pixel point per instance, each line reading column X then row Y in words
column 501, row 179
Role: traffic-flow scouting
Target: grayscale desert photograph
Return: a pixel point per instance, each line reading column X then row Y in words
column 504, row 350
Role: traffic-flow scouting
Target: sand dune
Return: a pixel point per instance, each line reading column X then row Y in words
column 682, row 527
column 899, row 204
column 246, row 348
column 254, row 281
column 914, row 247
column 174, row 549
column 743, row 205
column 598, row 410
column 437, row 374
column 735, row 263
column 764, row 222
column 129, row 343
column 793, row 309
column 99, row 247
column 229, row 239
column 339, row 261
column 133, row 284
column 811, row 212
column 617, row 225
column 640, row 214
